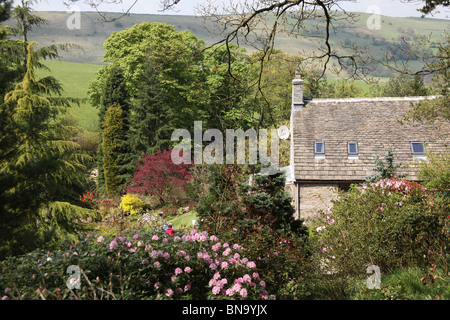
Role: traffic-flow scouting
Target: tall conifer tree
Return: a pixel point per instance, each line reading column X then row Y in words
column 42, row 174
column 112, row 145
column 114, row 94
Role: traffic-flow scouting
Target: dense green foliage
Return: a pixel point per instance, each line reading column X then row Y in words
column 112, row 144
column 391, row 224
column 142, row 264
column 113, row 94
column 42, row 171
column 247, row 244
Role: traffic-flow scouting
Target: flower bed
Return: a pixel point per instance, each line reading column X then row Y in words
column 140, row 264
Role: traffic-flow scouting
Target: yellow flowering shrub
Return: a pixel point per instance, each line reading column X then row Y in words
column 131, row 203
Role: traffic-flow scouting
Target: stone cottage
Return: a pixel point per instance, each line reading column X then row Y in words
column 334, row 143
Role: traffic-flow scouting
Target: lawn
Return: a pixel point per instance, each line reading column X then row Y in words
column 75, row 78
column 184, row 221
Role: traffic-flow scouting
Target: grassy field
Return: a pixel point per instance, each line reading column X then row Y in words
column 75, row 78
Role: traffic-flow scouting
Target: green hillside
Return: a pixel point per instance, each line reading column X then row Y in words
column 78, row 67
column 94, row 32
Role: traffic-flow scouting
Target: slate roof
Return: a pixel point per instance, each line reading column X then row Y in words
column 372, row 123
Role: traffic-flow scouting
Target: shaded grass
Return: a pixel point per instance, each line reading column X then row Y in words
column 406, row 284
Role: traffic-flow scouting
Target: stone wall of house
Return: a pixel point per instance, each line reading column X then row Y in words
column 316, row 197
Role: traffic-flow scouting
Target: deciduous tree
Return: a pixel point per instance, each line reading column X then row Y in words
column 157, row 175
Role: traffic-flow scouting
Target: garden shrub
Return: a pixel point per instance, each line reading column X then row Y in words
column 260, row 217
column 392, row 224
column 131, row 203
column 159, row 176
column 140, row 264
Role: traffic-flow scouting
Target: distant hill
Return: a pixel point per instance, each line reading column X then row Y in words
column 94, row 32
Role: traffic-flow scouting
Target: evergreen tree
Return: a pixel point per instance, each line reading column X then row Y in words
column 232, row 201
column 384, row 171
column 41, row 173
column 152, row 118
column 112, row 145
column 404, row 85
column 26, row 21
column 5, row 9
column 114, row 93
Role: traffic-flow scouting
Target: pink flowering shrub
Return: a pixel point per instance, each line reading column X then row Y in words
column 137, row 265
column 391, row 223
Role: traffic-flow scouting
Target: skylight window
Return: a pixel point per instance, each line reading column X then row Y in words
column 353, row 148
column 417, row 148
column 319, row 147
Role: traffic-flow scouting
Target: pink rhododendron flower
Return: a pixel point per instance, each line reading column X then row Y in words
column 222, row 282
column 155, row 237
column 136, row 236
column 215, row 290
column 224, row 265
column 243, row 293
column 113, row 244
column 187, row 269
column 251, row 264
column 247, row 278
column 169, row 292
column 100, row 239
column 178, row 271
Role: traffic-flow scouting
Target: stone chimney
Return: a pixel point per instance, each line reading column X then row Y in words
column 297, row 92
